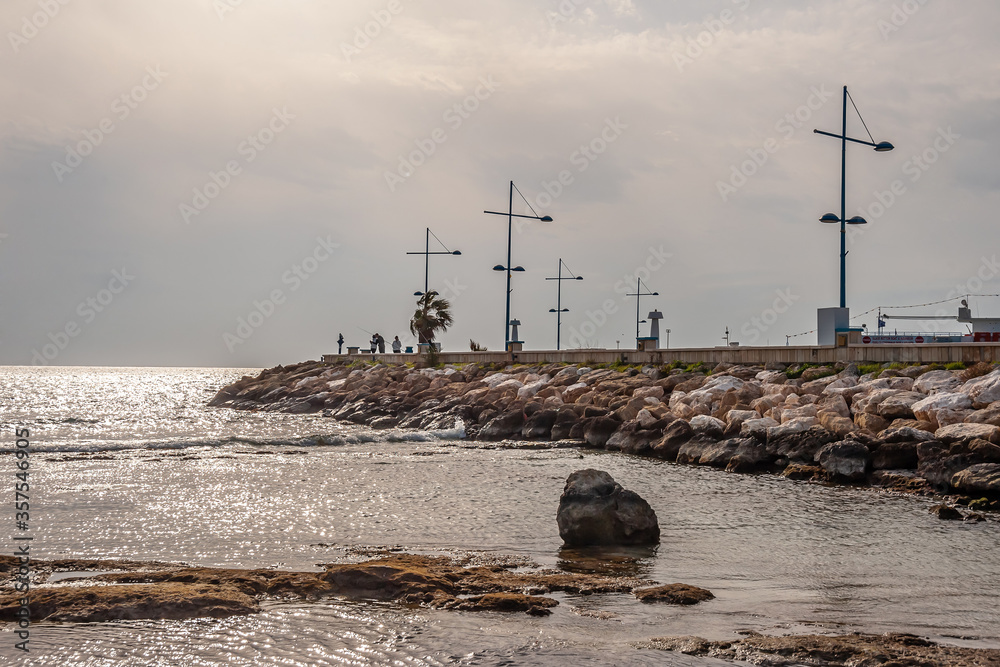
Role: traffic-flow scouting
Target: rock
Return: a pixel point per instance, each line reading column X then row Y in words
column 164, row 600
column 898, row 406
column 967, row 433
column 757, row 428
column 895, row 456
column 632, row 438
column 946, row 513
column 938, row 462
column 927, row 409
column 799, row 471
column 983, row 390
column 719, row 454
column 708, row 426
column 802, row 412
column 503, row 426
column 692, row 450
column 871, row 422
column 565, row 419
column 988, row 415
column 904, row 434
column 599, row 430
column 933, row 382
column 903, row 481
column 811, row 374
column 675, row 435
column 596, row 510
column 797, row 445
column 847, row 459
column 532, row 604
column 539, row 425
column 890, row 649
column 674, row 594
column 979, row 478
column 646, row 392
column 836, row 424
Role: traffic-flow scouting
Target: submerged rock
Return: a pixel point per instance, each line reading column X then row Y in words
column 674, row 594
column 856, row 650
column 596, row 510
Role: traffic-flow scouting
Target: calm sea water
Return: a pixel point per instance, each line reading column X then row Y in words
column 132, row 463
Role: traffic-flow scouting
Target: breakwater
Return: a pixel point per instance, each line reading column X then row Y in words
column 923, row 429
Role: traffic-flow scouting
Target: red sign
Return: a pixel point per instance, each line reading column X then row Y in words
column 918, row 339
column 866, row 340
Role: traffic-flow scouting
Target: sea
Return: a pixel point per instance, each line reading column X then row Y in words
column 133, row 463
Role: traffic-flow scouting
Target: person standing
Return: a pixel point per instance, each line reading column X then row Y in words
column 397, row 346
column 374, row 342
column 381, row 343
column 340, row 343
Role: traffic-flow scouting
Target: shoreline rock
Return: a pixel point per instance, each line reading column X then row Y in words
column 163, row 591
column 830, row 651
column 928, row 423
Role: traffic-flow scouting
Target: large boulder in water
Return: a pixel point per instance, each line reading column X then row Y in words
column 595, row 510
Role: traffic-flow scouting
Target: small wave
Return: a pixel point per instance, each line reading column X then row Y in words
column 339, row 439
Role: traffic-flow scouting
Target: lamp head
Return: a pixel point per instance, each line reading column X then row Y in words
column 830, row 217
column 857, row 220
column 655, row 294
column 518, row 268
column 499, row 267
column 883, row 147
column 418, row 294
column 579, row 277
column 546, row 218
column 457, row 252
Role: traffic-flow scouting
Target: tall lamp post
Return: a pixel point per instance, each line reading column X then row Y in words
column 559, row 310
column 638, row 292
column 881, row 147
column 426, row 252
column 510, row 220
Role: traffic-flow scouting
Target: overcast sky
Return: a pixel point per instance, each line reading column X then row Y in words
column 233, row 183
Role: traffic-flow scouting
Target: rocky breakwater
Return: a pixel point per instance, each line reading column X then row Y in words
column 919, row 429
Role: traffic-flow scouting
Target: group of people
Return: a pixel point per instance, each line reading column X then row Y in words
column 377, row 344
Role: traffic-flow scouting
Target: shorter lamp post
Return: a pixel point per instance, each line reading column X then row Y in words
column 426, row 252
column 638, row 293
column 559, row 310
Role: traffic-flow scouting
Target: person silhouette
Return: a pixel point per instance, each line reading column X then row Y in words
column 340, row 343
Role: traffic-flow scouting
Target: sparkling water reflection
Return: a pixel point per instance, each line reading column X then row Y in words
column 779, row 555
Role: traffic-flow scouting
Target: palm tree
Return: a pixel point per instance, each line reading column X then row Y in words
column 433, row 314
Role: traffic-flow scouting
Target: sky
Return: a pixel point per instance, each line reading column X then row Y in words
column 235, row 182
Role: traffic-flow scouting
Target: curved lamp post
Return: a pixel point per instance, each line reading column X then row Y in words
column 881, row 147
column 559, row 310
column 510, row 219
column 426, row 252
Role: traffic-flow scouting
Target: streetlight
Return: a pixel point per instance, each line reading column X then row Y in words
column 559, row 310
column 426, row 252
column 881, row 147
column 638, row 292
column 510, row 220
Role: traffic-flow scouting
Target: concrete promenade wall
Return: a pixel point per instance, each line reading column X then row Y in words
column 941, row 353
